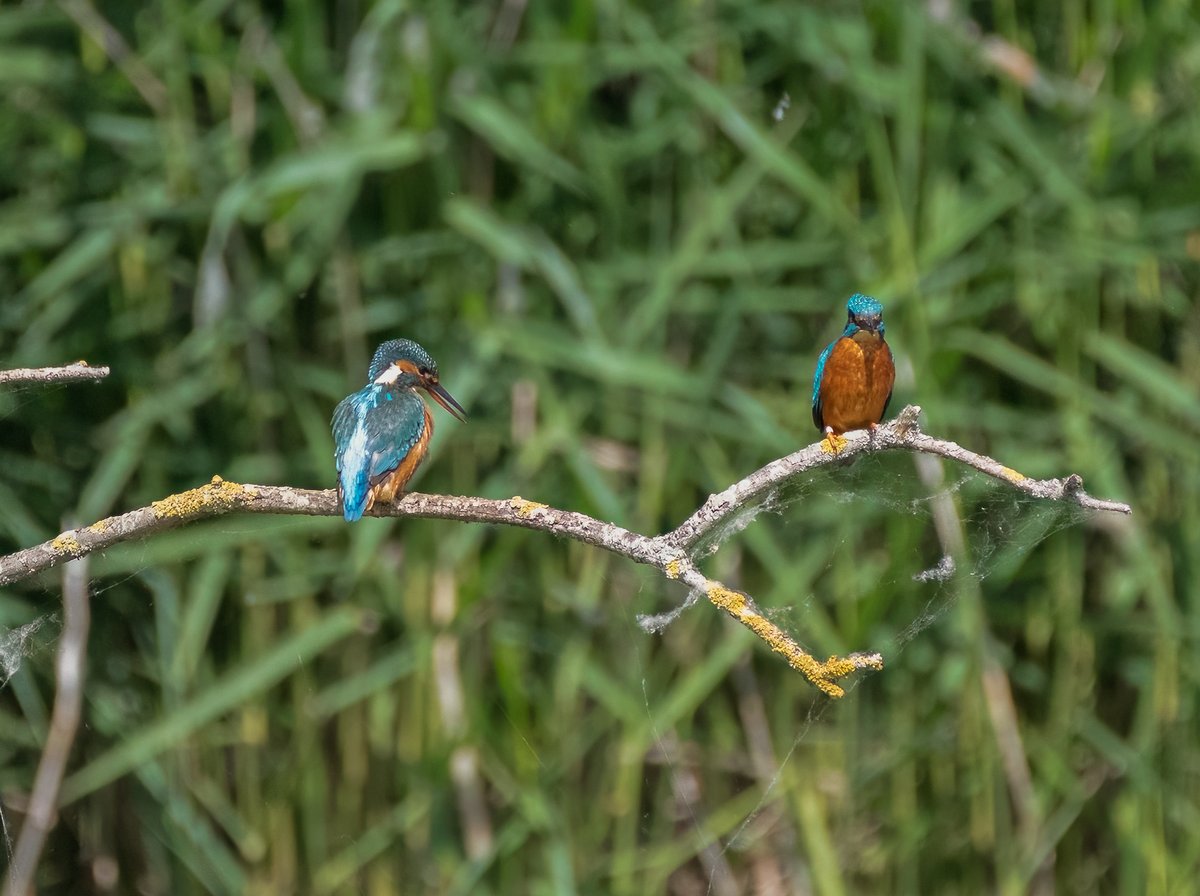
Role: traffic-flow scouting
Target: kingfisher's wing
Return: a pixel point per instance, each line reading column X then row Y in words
column 373, row 430
column 818, row 419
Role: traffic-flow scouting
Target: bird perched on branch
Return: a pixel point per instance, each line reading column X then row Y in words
column 855, row 374
column 382, row 431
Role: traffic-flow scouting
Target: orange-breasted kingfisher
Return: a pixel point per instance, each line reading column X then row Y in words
column 382, row 431
column 855, row 373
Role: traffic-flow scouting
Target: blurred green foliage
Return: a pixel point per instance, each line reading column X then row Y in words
column 625, row 231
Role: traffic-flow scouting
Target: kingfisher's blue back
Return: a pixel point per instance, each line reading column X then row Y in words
column 374, row 431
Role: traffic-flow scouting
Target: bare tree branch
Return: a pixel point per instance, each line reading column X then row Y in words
column 80, row 370
column 64, row 723
column 674, row 553
column 901, row 433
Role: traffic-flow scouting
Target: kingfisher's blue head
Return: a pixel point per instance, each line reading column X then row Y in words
column 863, row 313
column 402, row 364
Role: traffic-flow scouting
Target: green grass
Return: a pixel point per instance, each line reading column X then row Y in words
column 590, row 208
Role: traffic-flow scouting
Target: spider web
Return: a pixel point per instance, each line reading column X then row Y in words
column 896, row 545
column 16, row 644
column 24, row 635
column 973, row 526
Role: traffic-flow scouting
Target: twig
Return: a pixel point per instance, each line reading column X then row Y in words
column 674, row 553
column 80, row 370
column 64, row 722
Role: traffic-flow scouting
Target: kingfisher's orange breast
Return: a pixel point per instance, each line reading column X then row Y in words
column 856, row 382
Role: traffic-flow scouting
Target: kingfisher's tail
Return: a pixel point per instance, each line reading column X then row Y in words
column 353, row 491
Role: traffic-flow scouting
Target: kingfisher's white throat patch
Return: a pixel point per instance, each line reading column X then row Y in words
column 390, row 374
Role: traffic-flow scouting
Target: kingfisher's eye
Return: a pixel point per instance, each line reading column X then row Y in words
column 424, row 371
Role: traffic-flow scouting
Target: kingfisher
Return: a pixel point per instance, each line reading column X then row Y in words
column 855, row 374
column 382, row 431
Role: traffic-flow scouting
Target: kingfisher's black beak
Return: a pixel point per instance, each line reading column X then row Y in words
column 446, row 400
column 871, row 323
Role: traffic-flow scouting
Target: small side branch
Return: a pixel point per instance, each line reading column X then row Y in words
column 72, row 373
column 742, row 607
column 64, row 723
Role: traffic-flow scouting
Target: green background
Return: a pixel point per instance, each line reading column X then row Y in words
column 625, row 249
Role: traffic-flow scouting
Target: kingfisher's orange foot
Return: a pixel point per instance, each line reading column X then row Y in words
column 832, row 443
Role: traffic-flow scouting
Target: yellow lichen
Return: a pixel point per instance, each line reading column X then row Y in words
column 732, row 602
column 821, row 675
column 98, row 526
column 1010, row 473
column 675, row 568
column 67, row 544
column 218, row 493
column 525, row 509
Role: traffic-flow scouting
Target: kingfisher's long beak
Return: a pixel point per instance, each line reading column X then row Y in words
column 446, row 400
